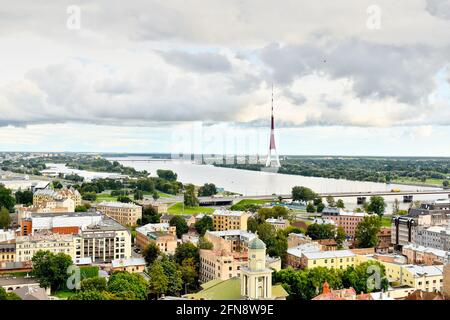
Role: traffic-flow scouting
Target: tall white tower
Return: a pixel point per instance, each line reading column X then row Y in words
column 272, row 157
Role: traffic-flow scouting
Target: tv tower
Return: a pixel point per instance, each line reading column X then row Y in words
column 275, row 162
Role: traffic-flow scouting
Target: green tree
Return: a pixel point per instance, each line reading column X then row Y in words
column 138, row 195
column 252, row 224
column 185, row 251
column 204, row 224
column 204, row 244
column 159, row 282
column 57, row 185
column 129, row 286
column 320, row 207
column 51, row 269
column 189, row 198
column 93, row 284
column 340, row 204
column 377, row 205
column 445, row 184
column 155, row 196
column 8, row 295
column 174, row 276
column 5, row 218
column 358, row 277
column 124, row 199
column 167, row 175
column 303, row 194
column 24, row 197
column 340, row 237
column 321, row 231
column 151, row 253
column 180, row 224
column 6, row 199
column 89, row 196
column 208, row 189
column 81, row 208
column 366, row 234
column 149, row 215
column 93, row 295
column 189, row 274
column 310, row 207
column 330, row 201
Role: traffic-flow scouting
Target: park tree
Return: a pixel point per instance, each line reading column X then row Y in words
column 159, row 282
column 81, row 208
column 377, row 205
column 138, row 195
column 151, row 253
column 5, row 218
column 340, row 204
column 93, row 284
column 321, row 231
column 51, row 269
column 366, row 234
column 57, row 185
column 8, row 295
column 185, row 251
column 6, row 199
column 189, row 274
column 208, row 189
column 310, row 207
column 252, row 224
column 174, row 275
column 155, row 196
column 303, row 194
column 445, row 184
column 128, row 286
column 189, row 198
column 340, row 237
column 149, row 215
column 124, row 199
column 359, row 277
column 24, row 197
column 180, row 223
column 93, row 295
column 168, row 175
column 204, row 224
column 330, row 201
column 320, row 207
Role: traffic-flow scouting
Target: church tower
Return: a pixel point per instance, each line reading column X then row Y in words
column 256, row 279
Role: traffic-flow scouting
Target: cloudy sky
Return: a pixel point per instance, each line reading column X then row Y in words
column 351, row 77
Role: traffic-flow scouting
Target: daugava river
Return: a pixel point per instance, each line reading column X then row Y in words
column 263, row 183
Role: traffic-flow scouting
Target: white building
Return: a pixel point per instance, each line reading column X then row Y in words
column 437, row 237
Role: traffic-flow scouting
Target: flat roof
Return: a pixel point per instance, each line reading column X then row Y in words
column 419, row 271
column 329, row 254
column 223, row 212
column 117, row 204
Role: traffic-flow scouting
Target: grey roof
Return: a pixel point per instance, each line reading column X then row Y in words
column 17, row 281
column 329, row 254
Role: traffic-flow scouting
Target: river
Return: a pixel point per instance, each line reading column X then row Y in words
column 265, row 183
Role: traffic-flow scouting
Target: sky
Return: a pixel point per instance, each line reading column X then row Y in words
column 350, row 77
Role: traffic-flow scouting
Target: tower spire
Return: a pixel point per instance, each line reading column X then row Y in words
column 272, row 148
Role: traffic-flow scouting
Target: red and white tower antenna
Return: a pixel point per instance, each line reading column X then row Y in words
column 272, row 157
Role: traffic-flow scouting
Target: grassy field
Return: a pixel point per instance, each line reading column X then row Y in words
column 430, row 182
column 105, row 197
column 160, row 194
column 252, row 201
column 63, row 294
column 386, row 221
column 177, row 208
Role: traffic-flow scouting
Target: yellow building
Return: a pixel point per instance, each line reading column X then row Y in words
column 425, row 278
column 338, row 259
column 124, row 213
column 8, row 251
column 43, row 196
column 230, row 220
column 28, row 246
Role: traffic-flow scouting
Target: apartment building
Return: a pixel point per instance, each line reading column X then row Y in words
column 446, row 276
column 42, row 196
column 8, row 251
column 124, row 213
column 230, row 240
column 430, row 214
column 230, row 220
column 28, row 246
column 338, row 259
column 294, row 254
column 162, row 234
column 437, row 237
column 425, row 278
column 278, row 223
column 296, row 239
column 95, row 235
column 417, row 254
column 347, row 220
column 53, row 206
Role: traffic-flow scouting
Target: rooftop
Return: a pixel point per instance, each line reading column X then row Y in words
column 223, row 212
column 117, row 204
column 120, row 263
column 419, row 271
column 329, row 254
column 307, row 247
